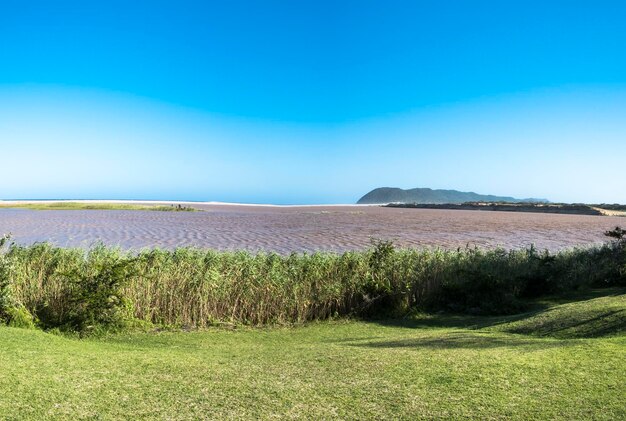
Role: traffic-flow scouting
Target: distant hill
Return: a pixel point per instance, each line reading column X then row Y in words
column 425, row 195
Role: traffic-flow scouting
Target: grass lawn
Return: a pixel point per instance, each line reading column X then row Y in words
column 564, row 360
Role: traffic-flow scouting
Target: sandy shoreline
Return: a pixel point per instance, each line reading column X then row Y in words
column 176, row 202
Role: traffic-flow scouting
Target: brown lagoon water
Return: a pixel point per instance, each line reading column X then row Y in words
column 309, row 228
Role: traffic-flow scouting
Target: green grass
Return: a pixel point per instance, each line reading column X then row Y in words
column 95, row 206
column 595, row 317
column 421, row 367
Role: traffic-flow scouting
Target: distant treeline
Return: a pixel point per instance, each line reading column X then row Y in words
column 564, row 208
column 611, row 206
column 109, row 289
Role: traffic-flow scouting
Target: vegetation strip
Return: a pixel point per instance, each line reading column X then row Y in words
column 110, row 289
column 95, row 206
column 561, row 208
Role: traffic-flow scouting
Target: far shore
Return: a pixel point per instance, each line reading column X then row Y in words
column 178, row 205
column 13, row 203
column 554, row 208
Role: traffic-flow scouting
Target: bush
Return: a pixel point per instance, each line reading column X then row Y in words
column 95, row 298
column 482, row 282
column 20, row 317
column 618, row 246
column 71, row 290
column 6, row 301
column 382, row 294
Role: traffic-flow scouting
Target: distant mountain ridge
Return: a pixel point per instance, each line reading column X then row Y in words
column 427, row 196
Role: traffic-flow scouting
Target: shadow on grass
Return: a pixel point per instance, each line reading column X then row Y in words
column 447, row 320
column 591, row 325
column 466, row 340
column 588, row 314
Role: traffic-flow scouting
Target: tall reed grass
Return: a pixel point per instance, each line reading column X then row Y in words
column 74, row 289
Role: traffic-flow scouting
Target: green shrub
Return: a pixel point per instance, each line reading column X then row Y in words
column 96, row 299
column 20, row 317
column 618, row 253
column 6, row 301
column 70, row 289
column 482, row 282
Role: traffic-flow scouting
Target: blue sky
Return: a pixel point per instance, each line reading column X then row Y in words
column 312, row 102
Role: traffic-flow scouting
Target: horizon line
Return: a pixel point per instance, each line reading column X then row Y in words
column 175, row 202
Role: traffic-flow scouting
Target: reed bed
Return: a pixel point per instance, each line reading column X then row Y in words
column 82, row 290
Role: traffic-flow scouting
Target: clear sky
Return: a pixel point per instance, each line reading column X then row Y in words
column 312, row 102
